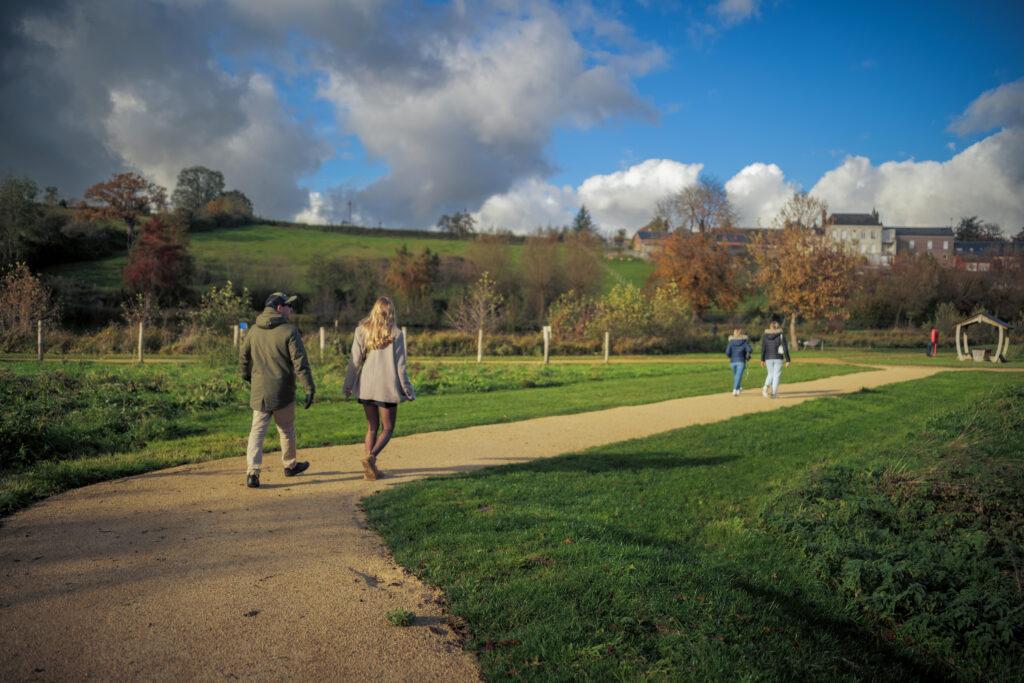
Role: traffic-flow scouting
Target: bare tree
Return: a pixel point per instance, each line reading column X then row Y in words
column 700, row 207
column 802, row 210
column 480, row 309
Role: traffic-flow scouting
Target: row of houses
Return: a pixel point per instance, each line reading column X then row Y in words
column 879, row 244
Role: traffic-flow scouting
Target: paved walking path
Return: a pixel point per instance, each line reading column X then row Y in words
column 186, row 574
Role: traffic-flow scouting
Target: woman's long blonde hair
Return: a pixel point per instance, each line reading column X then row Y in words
column 380, row 326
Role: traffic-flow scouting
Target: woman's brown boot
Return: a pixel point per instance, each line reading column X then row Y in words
column 370, row 472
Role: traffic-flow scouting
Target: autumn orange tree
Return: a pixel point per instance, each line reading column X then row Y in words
column 412, row 276
column 805, row 274
column 701, row 269
column 126, row 197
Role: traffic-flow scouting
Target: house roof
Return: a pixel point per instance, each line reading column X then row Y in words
column 738, row 235
column 979, row 247
column 985, row 318
column 854, row 219
column 923, row 232
column 651, row 235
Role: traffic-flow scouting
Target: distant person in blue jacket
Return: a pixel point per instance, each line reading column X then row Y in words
column 739, row 351
column 774, row 351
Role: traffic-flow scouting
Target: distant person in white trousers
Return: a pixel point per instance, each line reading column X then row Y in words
column 774, row 352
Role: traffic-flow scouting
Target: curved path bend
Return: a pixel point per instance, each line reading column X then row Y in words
column 186, row 574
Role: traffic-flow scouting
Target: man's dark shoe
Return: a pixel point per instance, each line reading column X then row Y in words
column 253, row 481
column 297, row 468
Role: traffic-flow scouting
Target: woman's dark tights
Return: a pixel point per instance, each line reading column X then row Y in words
column 382, row 420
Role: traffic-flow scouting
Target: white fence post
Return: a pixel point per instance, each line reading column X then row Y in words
column 140, row 341
column 39, row 341
column 547, row 342
column 323, row 342
column 234, row 335
column 479, row 345
column 607, row 346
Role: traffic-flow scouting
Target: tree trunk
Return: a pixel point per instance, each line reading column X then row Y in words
column 792, row 332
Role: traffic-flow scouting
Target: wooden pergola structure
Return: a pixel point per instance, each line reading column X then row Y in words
column 963, row 348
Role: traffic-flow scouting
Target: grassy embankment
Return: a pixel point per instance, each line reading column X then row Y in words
column 257, row 254
column 77, row 423
column 873, row 536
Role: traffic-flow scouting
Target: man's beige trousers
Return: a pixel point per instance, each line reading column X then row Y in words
column 285, row 420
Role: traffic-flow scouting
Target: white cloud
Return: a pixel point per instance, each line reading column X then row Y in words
column 476, row 120
column 732, row 12
column 531, row 203
column 985, row 179
column 262, row 154
column 996, row 108
column 758, row 192
column 626, row 199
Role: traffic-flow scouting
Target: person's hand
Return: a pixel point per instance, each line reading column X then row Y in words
column 787, row 363
column 762, row 364
column 309, row 399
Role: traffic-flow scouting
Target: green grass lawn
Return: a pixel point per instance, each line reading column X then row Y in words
column 875, row 536
column 76, row 423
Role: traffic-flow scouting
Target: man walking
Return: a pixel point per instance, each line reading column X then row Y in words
column 272, row 356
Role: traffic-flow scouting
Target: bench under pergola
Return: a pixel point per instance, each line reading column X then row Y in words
column 963, row 348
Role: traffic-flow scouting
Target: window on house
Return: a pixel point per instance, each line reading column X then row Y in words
column 873, row 234
column 929, row 244
column 945, row 245
column 983, row 267
column 911, row 242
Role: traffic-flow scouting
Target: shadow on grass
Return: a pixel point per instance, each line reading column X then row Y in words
column 865, row 653
column 601, row 462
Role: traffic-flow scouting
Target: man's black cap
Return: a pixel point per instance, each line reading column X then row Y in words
column 280, row 299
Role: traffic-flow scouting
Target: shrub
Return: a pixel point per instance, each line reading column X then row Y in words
column 23, row 301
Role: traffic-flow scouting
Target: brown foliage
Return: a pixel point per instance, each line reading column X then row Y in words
column 126, row 197
column 584, row 270
column 702, row 270
column 541, row 272
column 412, row 276
column 805, row 274
column 24, row 299
column 159, row 264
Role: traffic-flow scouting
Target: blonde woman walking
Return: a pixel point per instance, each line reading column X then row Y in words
column 377, row 377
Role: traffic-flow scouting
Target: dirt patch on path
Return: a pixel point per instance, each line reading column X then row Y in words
column 186, row 574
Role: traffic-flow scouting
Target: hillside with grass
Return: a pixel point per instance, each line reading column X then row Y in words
column 254, row 255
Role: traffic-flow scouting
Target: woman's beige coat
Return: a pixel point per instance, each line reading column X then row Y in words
column 378, row 374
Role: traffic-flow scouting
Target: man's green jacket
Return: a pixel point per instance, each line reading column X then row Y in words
column 271, row 357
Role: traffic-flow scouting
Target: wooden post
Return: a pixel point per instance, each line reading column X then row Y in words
column 607, row 346
column 956, row 336
column 140, row 340
column 547, row 342
column 39, row 341
column 323, row 342
column 480, row 345
column 234, row 335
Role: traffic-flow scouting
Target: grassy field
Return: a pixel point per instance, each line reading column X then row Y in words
column 827, row 541
column 256, row 254
column 70, row 424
